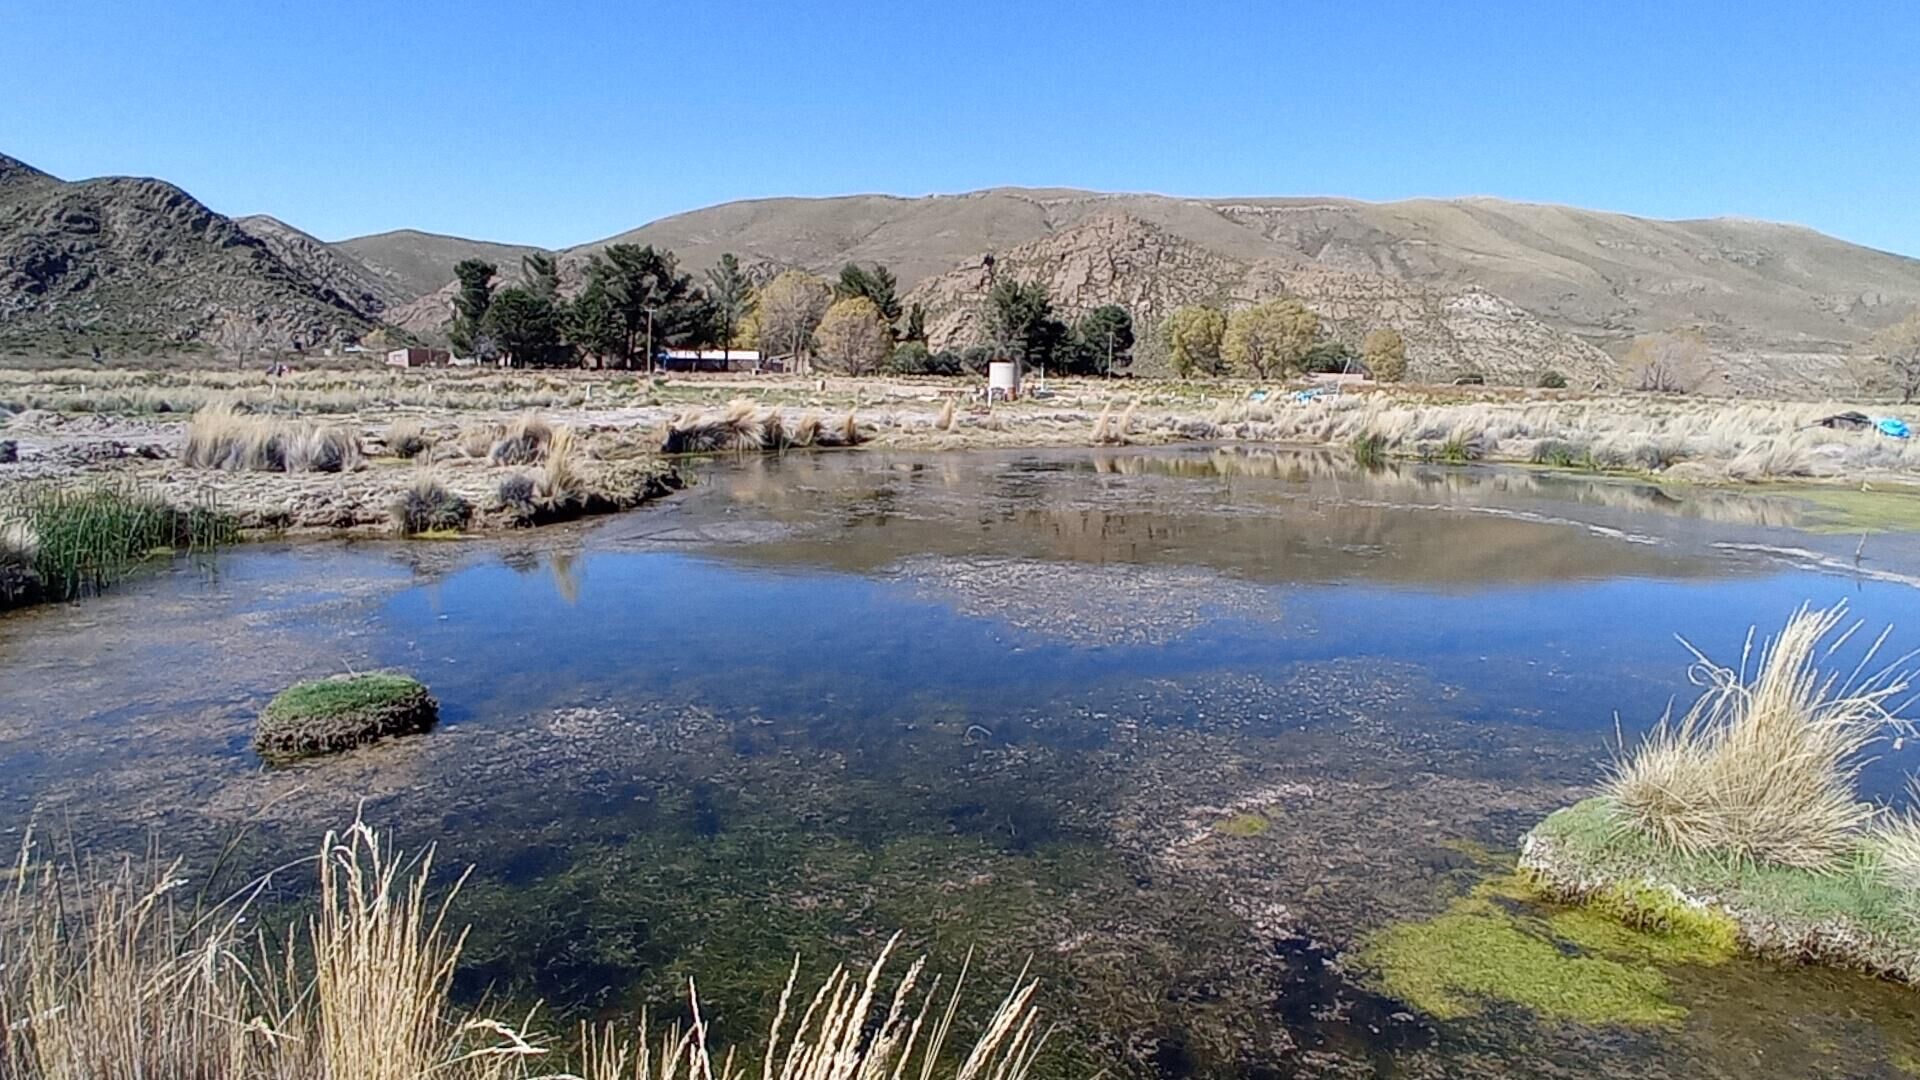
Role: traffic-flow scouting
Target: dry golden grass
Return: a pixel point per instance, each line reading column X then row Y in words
column 1763, row 767
column 1899, row 842
column 221, row 437
column 745, row 428
column 407, row 438
column 120, row 976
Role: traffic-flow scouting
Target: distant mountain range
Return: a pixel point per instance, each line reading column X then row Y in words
column 1506, row 289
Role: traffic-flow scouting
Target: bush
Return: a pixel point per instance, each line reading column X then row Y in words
column 1330, row 357
column 1552, row 380
column 1561, row 455
column 523, row 443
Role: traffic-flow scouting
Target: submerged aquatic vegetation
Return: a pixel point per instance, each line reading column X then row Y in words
column 1571, row 964
column 1851, row 913
column 135, row 980
column 1763, row 767
column 62, row 542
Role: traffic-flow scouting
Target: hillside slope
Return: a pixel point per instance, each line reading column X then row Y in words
column 1117, row 258
column 138, row 265
column 1774, row 299
column 414, row 264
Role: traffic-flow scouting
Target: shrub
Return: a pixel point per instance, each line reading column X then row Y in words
column 517, row 496
column 427, row 506
column 1463, row 447
column 1763, row 769
column 1552, row 380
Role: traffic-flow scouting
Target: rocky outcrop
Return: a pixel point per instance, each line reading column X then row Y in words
column 1116, row 258
column 140, row 265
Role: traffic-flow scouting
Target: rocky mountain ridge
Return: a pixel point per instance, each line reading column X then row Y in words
column 1508, row 289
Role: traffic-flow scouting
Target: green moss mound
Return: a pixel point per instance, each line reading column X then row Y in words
column 1848, row 915
column 338, row 713
column 1244, row 824
column 1499, row 944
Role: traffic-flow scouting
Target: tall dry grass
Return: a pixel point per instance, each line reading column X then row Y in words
column 221, row 437
column 1764, row 766
column 125, row 975
column 1899, row 842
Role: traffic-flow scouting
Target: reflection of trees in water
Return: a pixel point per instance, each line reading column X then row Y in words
column 1461, row 485
column 1323, row 520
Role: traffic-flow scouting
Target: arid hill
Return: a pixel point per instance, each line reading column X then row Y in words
column 138, row 265
column 417, row 263
column 1507, row 289
column 1784, row 304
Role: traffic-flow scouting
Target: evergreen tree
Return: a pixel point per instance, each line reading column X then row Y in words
column 732, row 297
column 651, row 298
column 470, row 304
column 1105, row 340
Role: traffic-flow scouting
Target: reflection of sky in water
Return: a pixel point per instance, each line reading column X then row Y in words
column 500, row 643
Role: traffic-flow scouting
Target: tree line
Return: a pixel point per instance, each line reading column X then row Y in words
column 636, row 301
column 1271, row 339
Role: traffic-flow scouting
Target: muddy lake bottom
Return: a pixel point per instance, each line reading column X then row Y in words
column 1189, row 730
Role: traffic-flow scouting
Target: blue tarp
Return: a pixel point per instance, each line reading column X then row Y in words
column 1893, row 427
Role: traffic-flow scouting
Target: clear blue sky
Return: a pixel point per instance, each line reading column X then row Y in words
column 553, row 122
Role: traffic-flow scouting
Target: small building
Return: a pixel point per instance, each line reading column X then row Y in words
column 417, row 357
column 710, row 360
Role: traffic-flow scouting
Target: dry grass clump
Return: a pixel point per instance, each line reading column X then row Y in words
column 1899, row 842
column 427, row 506
column 744, row 428
column 124, row 975
column 221, row 437
column 524, row 442
column 1764, row 767
column 407, row 438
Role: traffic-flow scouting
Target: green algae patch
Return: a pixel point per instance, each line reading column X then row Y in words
column 1851, row 510
column 341, row 712
column 1500, row 944
column 1244, row 824
column 1848, row 915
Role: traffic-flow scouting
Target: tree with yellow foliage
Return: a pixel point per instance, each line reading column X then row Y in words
column 855, row 334
column 1269, row 338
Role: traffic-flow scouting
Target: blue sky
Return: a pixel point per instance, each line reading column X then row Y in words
column 559, row 122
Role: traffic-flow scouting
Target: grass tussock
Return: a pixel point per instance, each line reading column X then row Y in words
column 744, row 427
column 126, row 975
column 1899, row 843
column 407, row 438
column 524, row 442
column 61, row 542
column 221, row 437
column 1763, row 766
column 427, row 507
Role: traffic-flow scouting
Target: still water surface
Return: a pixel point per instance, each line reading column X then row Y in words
column 1187, row 728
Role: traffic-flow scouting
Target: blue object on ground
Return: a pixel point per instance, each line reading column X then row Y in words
column 1893, row 427
column 1257, row 395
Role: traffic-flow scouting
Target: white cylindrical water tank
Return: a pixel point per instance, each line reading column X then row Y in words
column 1003, row 378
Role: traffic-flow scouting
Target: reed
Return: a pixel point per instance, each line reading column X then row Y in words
column 78, row 540
column 1764, row 766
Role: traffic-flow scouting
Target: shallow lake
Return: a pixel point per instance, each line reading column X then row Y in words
column 1186, row 729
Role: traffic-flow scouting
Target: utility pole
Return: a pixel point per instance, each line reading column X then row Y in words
column 1109, row 352
column 649, row 341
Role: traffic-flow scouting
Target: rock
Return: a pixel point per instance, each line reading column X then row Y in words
column 338, row 713
column 9, row 451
